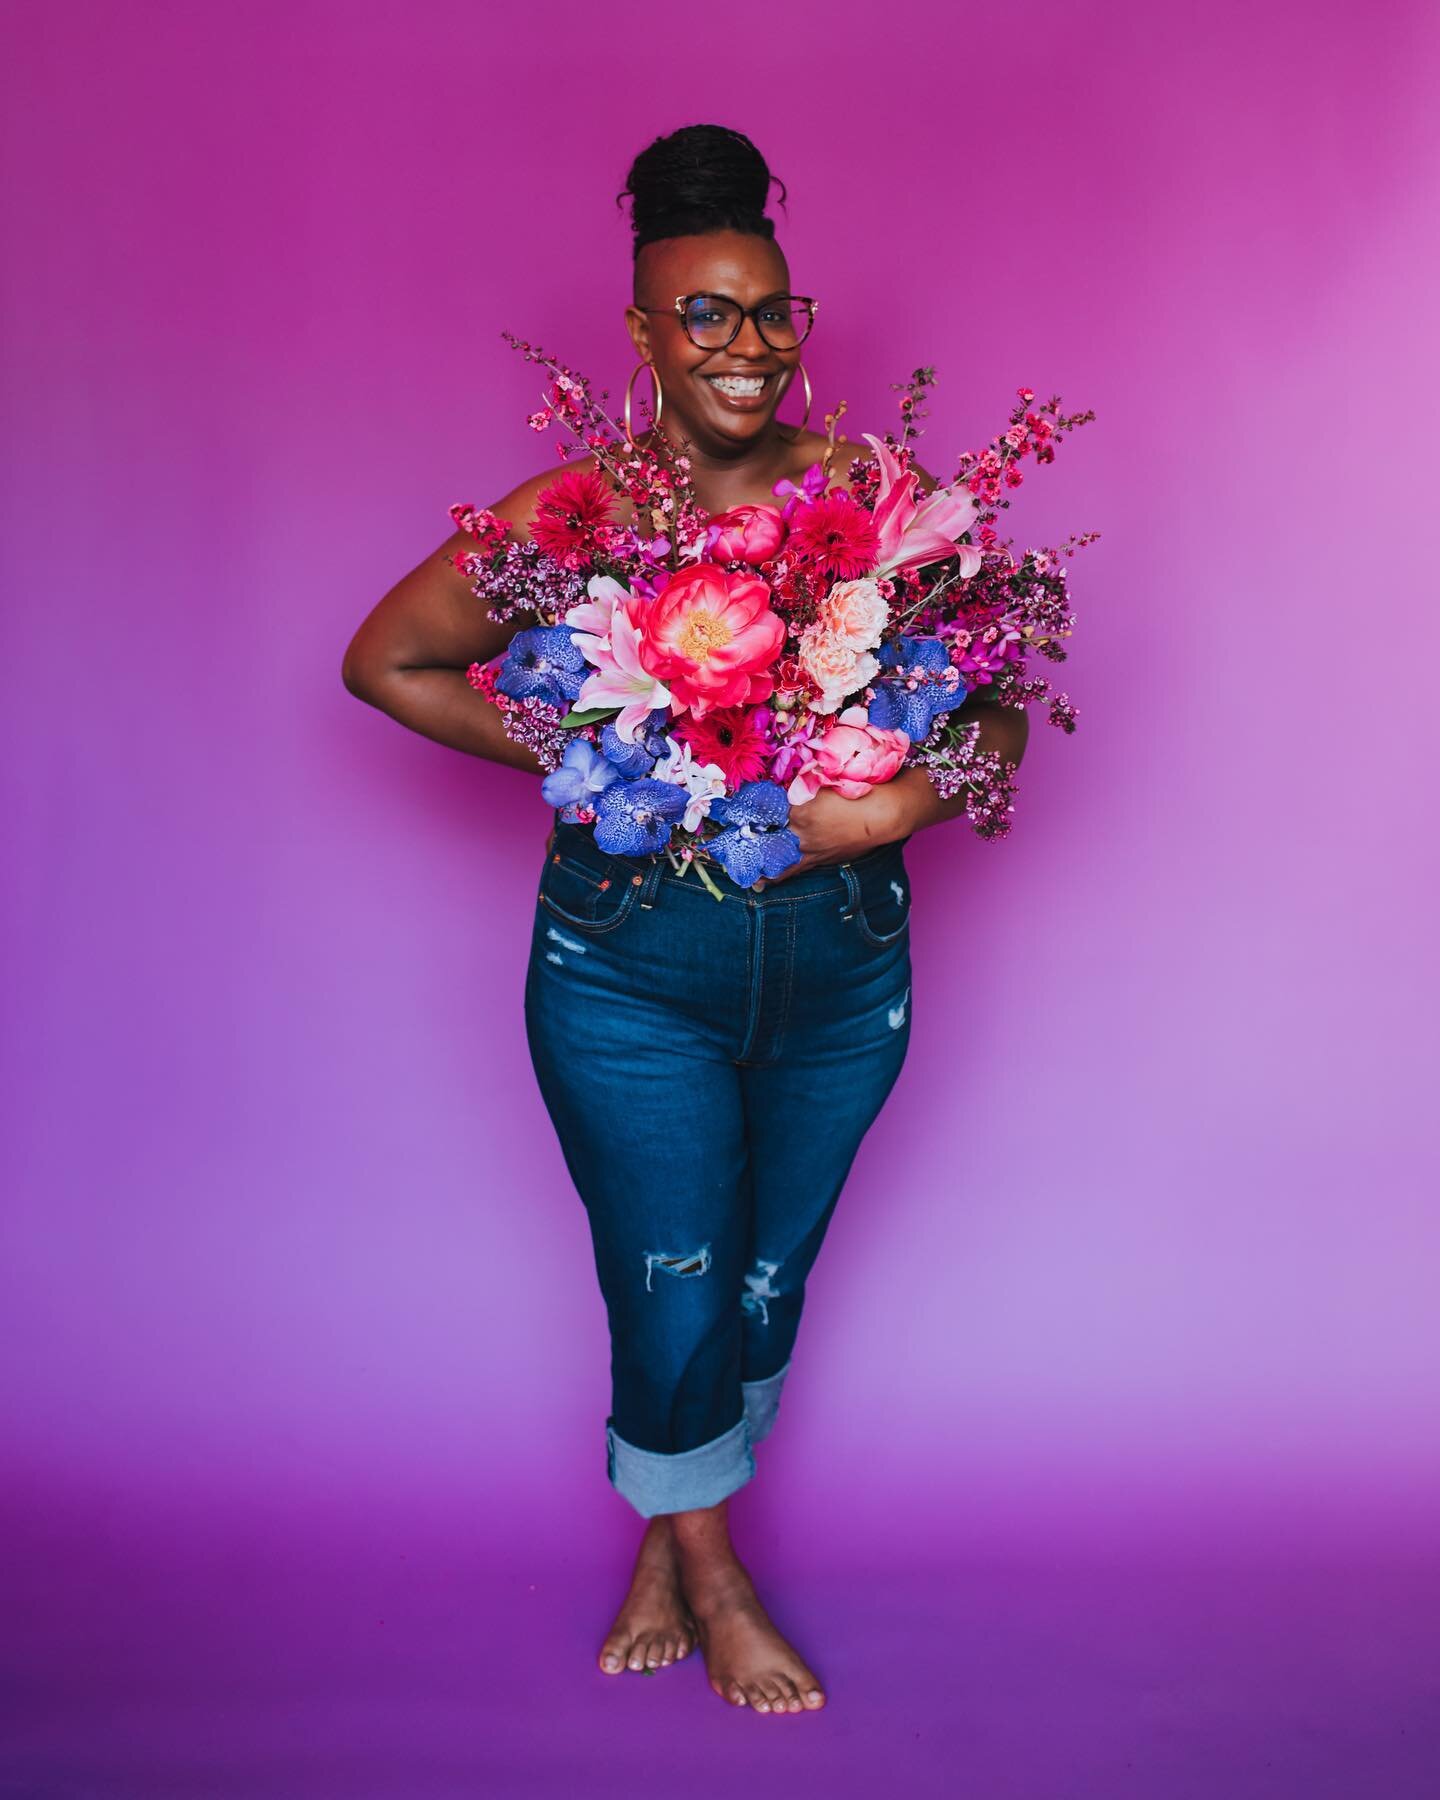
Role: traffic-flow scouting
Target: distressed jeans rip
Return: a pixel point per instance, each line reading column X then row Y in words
column 694, row 1262
column 896, row 1015
column 760, row 1288
column 565, row 943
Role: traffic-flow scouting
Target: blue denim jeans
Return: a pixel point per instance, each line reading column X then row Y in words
column 710, row 1068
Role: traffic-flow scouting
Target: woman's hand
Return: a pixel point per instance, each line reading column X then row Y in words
column 833, row 830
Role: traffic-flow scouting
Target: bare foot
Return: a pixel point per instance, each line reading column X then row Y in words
column 748, row 1661
column 653, row 1626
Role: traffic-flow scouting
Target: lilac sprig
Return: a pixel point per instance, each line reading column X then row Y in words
column 955, row 764
column 524, row 580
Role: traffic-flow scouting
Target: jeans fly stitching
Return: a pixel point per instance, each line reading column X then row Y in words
column 755, row 942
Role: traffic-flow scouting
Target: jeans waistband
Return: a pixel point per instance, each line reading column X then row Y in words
column 578, row 842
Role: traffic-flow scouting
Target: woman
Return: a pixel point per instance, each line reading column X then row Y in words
column 736, row 1053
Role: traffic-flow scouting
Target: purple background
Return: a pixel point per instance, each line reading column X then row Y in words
column 1136, row 1272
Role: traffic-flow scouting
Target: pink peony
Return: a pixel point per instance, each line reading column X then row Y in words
column 856, row 611
column 747, row 534
column 834, row 665
column 711, row 637
column 851, row 757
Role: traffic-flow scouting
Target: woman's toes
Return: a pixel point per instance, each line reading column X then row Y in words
column 756, row 1696
column 813, row 1697
column 612, row 1656
column 736, row 1695
column 789, row 1700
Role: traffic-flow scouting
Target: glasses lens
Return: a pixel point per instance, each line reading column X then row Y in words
column 711, row 321
column 784, row 323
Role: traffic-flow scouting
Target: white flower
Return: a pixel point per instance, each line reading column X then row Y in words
column 703, row 782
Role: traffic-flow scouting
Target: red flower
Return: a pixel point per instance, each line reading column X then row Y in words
column 732, row 739
column 568, row 515
column 836, row 536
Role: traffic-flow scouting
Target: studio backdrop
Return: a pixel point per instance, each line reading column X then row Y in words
column 1145, row 1242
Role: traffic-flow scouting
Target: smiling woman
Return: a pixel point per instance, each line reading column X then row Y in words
column 725, row 342
column 710, row 1070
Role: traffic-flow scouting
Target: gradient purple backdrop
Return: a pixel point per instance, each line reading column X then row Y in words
column 1141, row 1256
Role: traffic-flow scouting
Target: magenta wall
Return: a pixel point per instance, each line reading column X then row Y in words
column 1146, row 1239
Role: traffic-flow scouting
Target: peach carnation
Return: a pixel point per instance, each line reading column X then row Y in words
column 856, row 611
column 834, row 665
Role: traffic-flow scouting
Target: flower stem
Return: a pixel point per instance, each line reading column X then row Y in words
column 707, row 878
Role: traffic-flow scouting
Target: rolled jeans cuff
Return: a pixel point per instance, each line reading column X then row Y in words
column 657, row 1483
column 762, row 1402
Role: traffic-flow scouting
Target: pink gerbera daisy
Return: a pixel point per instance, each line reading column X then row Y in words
column 835, row 536
column 731, row 737
column 568, row 515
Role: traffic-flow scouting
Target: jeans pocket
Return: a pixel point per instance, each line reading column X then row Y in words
column 879, row 897
column 588, row 892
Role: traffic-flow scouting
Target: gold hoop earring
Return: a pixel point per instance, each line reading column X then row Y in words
column 659, row 407
column 808, row 397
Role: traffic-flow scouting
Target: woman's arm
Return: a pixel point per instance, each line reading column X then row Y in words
column 1004, row 729
column 833, row 829
column 410, row 654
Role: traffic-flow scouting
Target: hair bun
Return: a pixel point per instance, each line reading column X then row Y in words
column 700, row 178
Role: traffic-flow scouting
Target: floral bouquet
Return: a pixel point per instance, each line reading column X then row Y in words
column 687, row 679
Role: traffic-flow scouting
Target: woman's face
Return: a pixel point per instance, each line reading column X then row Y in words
column 748, row 269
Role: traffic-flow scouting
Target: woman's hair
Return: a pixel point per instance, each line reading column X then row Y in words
column 700, row 178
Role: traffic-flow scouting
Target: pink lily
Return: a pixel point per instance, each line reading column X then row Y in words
column 914, row 531
column 613, row 645
column 590, row 620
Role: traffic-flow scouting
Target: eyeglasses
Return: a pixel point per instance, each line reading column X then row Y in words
column 711, row 321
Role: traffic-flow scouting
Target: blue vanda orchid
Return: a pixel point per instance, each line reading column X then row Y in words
column 918, row 682
column 635, row 818
column 583, row 774
column 756, row 843
column 544, row 662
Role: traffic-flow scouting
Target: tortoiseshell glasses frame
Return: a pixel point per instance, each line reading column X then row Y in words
column 681, row 304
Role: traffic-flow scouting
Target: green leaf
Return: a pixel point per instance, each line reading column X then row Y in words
column 591, row 716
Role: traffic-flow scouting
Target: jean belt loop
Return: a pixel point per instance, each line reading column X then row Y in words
column 852, row 890
column 650, row 881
